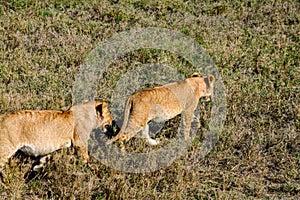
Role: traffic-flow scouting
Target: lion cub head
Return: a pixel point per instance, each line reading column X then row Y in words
column 103, row 115
column 209, row 83
column 93, row 114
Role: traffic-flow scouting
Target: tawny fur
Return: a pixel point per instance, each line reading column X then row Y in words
column 163, row 103
column 41, row 132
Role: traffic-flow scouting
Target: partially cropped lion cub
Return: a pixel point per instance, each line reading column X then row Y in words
column 40, row 132
column 163, row 103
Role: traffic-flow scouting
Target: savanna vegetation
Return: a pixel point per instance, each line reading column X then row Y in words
column 255, row 46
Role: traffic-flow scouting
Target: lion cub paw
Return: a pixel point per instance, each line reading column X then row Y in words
column 153, row 142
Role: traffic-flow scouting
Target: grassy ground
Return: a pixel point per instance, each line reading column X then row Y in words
column 255, row 46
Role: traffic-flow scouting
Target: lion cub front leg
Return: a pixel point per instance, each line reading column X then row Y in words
column 147, row 136
column 41, row 163
column 6, row 152
column 81, row 145
column 83, row 151
column 187, row 121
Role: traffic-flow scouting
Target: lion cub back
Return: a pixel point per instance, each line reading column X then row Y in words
column 36, row 132
column 158, row 103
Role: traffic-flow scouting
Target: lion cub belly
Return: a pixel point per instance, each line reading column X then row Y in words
column 161, row 113
column 42, row 149
column 44, row 136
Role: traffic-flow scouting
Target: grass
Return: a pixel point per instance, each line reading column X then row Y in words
column 255, row 46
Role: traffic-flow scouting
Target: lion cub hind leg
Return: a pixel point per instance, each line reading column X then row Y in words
column 147, row 136
column 115, row 138
column 125, row 135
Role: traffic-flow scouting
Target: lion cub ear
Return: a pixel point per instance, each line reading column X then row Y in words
column 211, row 78
column 99, row 108
column 196, row 74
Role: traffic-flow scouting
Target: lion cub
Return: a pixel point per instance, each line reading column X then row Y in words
column 163, row 103
column 40, row 132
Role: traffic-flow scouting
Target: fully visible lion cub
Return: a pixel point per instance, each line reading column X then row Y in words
column 40, row 132
column 163, row 103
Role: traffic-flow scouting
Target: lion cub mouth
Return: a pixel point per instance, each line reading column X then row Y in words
column 111, row 130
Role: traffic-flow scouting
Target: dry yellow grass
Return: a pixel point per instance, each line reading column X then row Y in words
column 255, row 46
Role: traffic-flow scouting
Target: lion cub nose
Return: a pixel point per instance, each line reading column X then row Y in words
column 107, row 126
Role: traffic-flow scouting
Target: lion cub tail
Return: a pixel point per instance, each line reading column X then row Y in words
column 127, row 110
